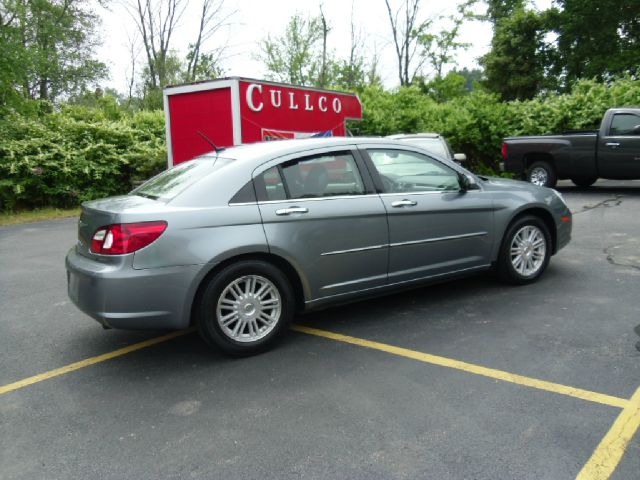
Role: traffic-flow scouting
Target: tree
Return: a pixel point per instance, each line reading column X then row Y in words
column 515, row 65
column 157, row 22
column 206, row 65
column 439, row 48
column 48, row 47
column 595, row 38
column 354, row 73
column 406, row 31
column 500, row 9
column 294, row 56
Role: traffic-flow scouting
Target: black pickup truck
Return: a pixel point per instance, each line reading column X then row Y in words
column 612, row 152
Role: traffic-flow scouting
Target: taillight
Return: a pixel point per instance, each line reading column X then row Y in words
column 504, row 151
column 125, row 237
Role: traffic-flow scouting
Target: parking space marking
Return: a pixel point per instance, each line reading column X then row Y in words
column 470, row 368
column 609, row 452
column 10, row 387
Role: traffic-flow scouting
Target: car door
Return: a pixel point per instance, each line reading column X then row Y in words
column 619, row 150
column 435, row 228
column 322, row 215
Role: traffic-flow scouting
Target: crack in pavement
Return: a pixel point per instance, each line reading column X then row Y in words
column 611, row 256
column 607, row 203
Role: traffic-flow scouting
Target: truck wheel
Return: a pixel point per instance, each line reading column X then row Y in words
column 584, row 181
column 541, row 173
column 525, row 251
column 245, row 308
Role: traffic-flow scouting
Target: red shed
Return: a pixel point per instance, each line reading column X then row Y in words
column 233, row 111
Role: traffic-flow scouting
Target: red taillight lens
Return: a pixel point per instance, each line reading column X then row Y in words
column 504, row 151
column 125, row 237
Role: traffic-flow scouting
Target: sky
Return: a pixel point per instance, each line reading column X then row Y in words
column 253, row 20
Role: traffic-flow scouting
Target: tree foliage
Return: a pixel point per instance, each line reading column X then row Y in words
column 47, row 49
column 515, row 66
column 596, row 38
column 296, row 56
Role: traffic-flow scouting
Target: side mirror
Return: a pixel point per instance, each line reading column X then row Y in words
column 636, row 130
column 466, row 182
column 461, row 157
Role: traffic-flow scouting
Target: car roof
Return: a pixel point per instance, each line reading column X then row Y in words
column 256, row 153
column 401, row 136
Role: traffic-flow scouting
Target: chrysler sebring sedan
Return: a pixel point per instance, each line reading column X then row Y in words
column 239, row 241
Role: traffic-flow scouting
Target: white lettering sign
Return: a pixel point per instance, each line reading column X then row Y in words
column 321, row 102
column 252, row 106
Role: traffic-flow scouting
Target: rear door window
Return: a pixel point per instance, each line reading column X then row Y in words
column 326, row 175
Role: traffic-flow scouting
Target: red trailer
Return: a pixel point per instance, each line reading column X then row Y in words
column 233, row 111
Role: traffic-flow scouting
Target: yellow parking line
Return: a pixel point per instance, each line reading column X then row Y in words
column 609, row 452
column 470, row 368
column 90, row 361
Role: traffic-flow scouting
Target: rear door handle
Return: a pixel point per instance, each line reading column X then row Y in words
column 612, row 144
column 290, row 210
column 404, row 203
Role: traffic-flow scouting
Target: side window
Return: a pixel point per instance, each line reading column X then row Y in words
column 245, row 195
column 323, row 176
column 623, row 124
column 273, row 186
column 403, row 171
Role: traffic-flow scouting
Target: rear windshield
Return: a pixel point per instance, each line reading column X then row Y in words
column 169, row 184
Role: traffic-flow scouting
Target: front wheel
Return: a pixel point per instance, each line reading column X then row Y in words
column 245, row 308
column 542, row 174
column 525, row 251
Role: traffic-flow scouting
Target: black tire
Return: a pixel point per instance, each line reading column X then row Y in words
column 542, row 173
column 210, row 308
column 506, row 270
column 584, row 182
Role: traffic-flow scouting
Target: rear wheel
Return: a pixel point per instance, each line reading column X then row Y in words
column 525, row 251
column 245, row 308
column 543, row 174
column 584, row 181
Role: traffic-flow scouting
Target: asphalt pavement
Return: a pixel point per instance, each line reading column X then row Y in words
column 322, row 407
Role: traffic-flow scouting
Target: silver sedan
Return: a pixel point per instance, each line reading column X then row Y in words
column 238, row 241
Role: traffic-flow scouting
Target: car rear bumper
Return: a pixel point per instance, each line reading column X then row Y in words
column 118, row 296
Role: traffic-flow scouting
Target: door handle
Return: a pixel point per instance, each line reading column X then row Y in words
column 290, row 210
column 612, row 144
column 404, row 203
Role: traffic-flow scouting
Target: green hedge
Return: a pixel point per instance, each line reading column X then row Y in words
column 61, row 159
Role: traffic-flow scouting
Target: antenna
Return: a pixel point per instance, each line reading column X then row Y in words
column 208, row 140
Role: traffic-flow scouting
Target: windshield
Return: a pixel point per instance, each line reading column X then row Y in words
column 169, row 184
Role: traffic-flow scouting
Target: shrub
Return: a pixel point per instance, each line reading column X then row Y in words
column 76, row 154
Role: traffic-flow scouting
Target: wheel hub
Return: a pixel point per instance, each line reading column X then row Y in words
column 528, row 250
column 249, row 308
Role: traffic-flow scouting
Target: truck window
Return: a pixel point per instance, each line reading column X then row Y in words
column 623, row 124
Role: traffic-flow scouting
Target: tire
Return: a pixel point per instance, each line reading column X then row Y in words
column 232, row 318
column 584, row 182
column 543, row 174
column 536, row 256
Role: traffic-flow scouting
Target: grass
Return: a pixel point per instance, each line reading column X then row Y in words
column 28, row 216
